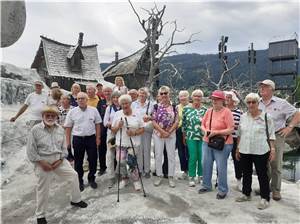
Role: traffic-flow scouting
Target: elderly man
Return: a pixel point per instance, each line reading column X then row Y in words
column 46, row 149
column 35, row 101
column 92, row 97
column 280, row 110
column 134, row 94
column 84, row 124
column 101, row 107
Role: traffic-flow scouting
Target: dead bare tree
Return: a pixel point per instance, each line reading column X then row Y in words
column 153, row 27
column 226, row 71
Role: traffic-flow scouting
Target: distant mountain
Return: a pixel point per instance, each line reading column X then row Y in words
column 192, row 66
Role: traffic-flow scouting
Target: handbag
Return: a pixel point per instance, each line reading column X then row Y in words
column 218, row 141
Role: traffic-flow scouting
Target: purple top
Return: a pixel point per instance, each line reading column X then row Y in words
column 164, row 116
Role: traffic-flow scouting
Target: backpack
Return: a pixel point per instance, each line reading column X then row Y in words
column 293, row 139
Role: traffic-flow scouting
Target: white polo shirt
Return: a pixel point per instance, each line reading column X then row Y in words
column 36, row 103
column 83, row 121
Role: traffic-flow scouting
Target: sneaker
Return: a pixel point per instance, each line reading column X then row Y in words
column 80, row 204
column 243, row 198
column 276, row 195
column 157, row 182
column 147, row 175
column 239, row 185
column 111, row 182
column 171, row 182
column 137, row 185
column 183, row 176
column 220, row 196
column 93, row 184
column 203, row 190
column 192, row 182
column 81, row 187
column 263, row 204
column 41, row 220
column 101, row 172
column 123, row 183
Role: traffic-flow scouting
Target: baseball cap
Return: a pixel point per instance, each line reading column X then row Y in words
column 267, row 82
column 218, row 94
column 37, row 82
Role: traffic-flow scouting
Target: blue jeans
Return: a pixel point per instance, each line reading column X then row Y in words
column 209, row 155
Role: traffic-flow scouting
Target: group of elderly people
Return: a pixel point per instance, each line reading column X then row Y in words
column 117, row 127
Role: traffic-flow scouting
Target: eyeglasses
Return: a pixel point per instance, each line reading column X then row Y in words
column 164, row 93
column 81, row 98
column 251, row 102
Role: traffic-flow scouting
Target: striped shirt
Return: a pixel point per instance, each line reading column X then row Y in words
column 236, row 113
column 43, row 141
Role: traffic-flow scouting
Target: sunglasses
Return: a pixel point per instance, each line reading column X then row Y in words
column 164, row 93
column 251, row 102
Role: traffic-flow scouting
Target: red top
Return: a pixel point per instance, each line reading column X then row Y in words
column 221, row 120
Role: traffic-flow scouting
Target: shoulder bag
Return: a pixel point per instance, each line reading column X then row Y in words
column 218, row 141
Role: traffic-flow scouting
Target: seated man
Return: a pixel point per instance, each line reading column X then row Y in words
column 46, row 149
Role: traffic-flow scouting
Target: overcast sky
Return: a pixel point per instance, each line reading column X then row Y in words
column 114, row 27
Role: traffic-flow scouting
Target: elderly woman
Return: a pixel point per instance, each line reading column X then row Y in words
column 120, row 85
column 75, row 89
column 255, row 147
column 191, row 125
column 165, row 122
column 144, row 108
column 64, row 108
column 110, row 140
column 182, row 149
column 134, row 95
column 232, row 104
column 128, row 127
column 217, row 123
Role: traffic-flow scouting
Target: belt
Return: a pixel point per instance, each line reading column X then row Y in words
column 83, row 137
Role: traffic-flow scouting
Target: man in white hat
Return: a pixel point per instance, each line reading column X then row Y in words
column 280, row 110
column 46, row 149
column 35, row 101
column 54, row 85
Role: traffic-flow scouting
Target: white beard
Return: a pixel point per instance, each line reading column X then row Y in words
column 49, row 123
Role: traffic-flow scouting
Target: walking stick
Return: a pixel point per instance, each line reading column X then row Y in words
column 119, row 174
column 135, row 157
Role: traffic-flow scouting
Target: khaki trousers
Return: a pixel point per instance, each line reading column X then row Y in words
column 65, row 172
column 275, row 167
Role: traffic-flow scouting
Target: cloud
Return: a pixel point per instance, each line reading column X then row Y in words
column 114, row 27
